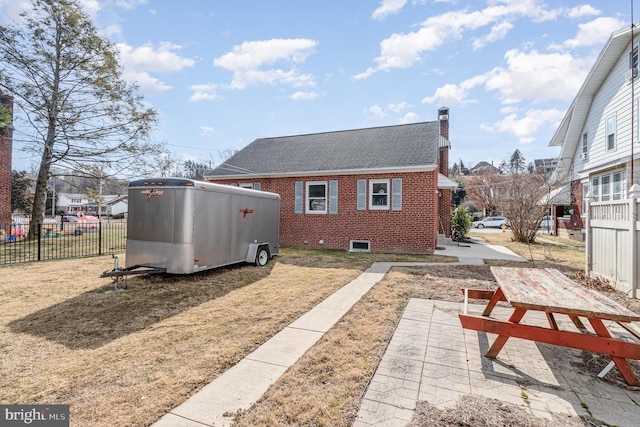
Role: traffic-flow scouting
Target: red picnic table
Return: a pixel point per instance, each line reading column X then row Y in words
column 552, row 292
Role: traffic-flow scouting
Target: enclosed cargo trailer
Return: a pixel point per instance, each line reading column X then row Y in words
column 181, row 226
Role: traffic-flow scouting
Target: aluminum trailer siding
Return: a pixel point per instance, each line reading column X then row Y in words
column 185, row 226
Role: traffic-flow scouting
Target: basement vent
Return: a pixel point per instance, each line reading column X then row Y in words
column 359, row 246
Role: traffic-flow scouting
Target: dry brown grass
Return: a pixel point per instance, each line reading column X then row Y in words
column 126, row 359
column 326, row 385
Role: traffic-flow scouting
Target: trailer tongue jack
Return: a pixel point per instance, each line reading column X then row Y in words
column 119, row 275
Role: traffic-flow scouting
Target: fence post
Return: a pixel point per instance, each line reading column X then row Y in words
column 39, row 227
column 99, row 237
column 588, row 252
column 634, row 194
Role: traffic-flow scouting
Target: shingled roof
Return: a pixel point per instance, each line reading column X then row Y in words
column 411, row 147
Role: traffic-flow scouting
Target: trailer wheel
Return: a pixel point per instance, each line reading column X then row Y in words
column 262, row 257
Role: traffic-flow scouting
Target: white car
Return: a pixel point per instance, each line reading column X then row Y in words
column 491, row 221
column 547, row 222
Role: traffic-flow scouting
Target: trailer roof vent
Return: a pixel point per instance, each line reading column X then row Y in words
column 359, row 246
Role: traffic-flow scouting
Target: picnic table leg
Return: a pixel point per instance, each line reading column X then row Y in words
column 552, row 321
column 497, row 296
column 501, row 340
column 621, row 362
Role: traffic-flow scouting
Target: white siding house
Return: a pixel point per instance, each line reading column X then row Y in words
column 599, row 138
column 597, row 130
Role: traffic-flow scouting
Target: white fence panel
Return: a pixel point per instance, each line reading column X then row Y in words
column 613, row 242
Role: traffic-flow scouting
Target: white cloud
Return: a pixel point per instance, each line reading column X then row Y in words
column 388, row 7
column 595, row 32
column 204, row 92
column 582, row 10
column 251, row 62
column 145, row 82
column 140, row 61
column 452, row 94
column 399, row 107
column 538, row 76
column 409, row 118
column 162, row 59
column 207, row 130
column 524, row 128
column 91, row 8
column 300, row 95
column 498, row 32
column 405, row 50
column 376, row 111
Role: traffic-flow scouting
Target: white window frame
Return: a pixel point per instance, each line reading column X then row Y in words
column 616, row 193
column 633, row 57
column 595, row 188
column 246, row 185
column 605, row 187
column 308, row 200
column 610, row 190
column 376, row 196
column 610, row 131
column 585, row 143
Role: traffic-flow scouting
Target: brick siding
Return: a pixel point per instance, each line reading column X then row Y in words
column 6, row 144
column 411, row 230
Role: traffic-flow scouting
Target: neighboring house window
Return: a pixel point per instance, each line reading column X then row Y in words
column 584, row 143
column 585, row 191
column 633, row 59
column 316, row 201
column 616, row 186
column 379, row 194
column 595, row 188
column 250, row 185
column 605, row 188
column 611, row 133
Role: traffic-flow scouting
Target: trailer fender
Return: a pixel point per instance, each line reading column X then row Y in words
column 258, row 254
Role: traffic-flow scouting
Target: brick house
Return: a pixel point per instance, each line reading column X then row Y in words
column 6, row 144
column 381, row 189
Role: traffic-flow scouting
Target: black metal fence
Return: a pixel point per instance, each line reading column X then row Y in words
column 61, row 240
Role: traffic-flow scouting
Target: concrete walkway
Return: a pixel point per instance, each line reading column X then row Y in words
column 243, row 384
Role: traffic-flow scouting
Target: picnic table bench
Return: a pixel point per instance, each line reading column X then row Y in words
column 551, row 292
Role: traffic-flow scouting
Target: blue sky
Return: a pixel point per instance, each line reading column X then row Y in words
column 223, row 73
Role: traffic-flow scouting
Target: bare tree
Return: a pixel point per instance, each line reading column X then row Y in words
column 67, row 85
column 524, row 203
column 485, row 191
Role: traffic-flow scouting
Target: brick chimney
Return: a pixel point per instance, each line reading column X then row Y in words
column 444, row 195
column 6, row 144
column 444, row 145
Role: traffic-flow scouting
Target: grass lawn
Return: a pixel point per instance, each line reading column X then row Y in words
column 125, row 359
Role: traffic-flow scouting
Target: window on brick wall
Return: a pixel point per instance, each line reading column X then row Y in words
column 379, row 194
column 316, row 200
